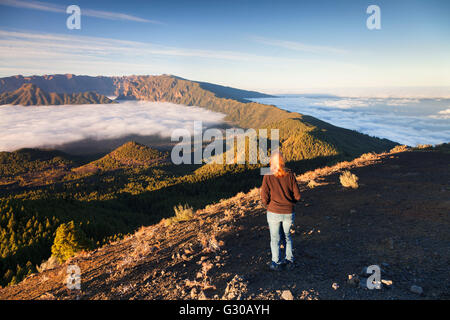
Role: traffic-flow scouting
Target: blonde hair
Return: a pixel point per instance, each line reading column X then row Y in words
column 277, row 164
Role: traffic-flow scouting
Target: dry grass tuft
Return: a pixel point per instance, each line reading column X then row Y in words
column 424, row 146
column 240, row 195
column 401, row 148
column 368, row 156
column 203, row 239
column 228, row 215
column 209, row 242
column 182, row 213
column 141, row 249
column 349, row 180
column 51, row 263
column 312, row 184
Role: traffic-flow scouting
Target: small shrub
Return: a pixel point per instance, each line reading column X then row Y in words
column 368, row 156
column 69, row 240
column 167, row 222
column 312, row 184
column 424, row 146
column 51, row 263
column 182, row 213
column 141, row 249
column 400, row 148
column 443, row 147
column 203, row 239
column 228, row 214
column 349, row 180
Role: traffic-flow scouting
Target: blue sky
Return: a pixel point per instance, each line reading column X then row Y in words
column 273, row 46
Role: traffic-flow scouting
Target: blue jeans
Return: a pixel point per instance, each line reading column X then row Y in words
column 280, row 225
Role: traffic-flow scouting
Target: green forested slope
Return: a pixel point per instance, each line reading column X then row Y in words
column 302, row 137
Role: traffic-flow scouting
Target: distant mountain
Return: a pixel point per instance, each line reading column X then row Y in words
column 131, row 154
column 70, row 83
column 229, row 92
column 31, row 95
column 61, row 83
column 302, row 137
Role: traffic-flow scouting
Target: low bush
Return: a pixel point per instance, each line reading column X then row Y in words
column 349, row 180
column 182, row 213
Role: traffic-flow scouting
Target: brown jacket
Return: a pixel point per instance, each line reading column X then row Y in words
column 279, row 194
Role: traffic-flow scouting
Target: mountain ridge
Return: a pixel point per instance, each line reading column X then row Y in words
column 31, row 95
column 70, row 83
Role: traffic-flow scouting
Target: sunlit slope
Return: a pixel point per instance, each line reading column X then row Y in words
column 32, row 160
column 302, row 137
column 128, row 155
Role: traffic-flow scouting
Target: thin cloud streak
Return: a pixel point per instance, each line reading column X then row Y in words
column 298, row 46
column 50, row 7
column 16, row 43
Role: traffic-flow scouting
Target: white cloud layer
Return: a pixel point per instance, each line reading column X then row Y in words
column 298, row 46
column 407, row 121
column 47, row 126
column 443, row 114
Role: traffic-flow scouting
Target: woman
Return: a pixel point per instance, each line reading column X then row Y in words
column 279, row 193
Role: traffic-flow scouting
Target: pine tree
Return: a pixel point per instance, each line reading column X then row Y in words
column 8, row 275
column 69, row 240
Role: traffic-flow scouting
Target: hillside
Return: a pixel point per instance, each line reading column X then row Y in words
column 302, row 137
column 31, row 167
column 31, row 160
column 398, row 218
column 131, row 154
column 31, row 95
column 107, row 195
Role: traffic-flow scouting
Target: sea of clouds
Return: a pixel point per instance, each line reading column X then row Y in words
column 409, row 121
column 51, row 126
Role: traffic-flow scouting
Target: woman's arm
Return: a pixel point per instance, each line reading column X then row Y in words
column 265, row 192
column 295, row 188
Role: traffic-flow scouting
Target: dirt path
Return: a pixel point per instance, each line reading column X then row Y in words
column 398, row 218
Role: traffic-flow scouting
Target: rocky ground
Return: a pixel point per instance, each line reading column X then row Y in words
column 398, row 219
